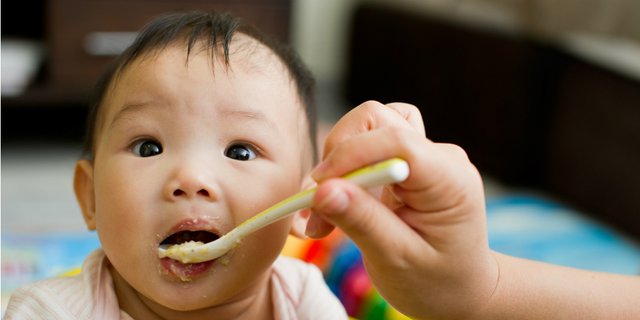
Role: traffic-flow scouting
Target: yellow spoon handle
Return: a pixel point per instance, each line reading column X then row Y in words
column 385, row 172
column 390, row 171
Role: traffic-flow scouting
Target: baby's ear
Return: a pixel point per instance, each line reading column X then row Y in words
column 300, row 218
column 83, row 187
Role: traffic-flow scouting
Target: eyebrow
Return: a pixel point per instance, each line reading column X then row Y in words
column 129, row 108
column 252, row 115
column 240, row 114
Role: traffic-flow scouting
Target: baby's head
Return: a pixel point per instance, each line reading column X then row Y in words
column 201, row 31
column 199, row 125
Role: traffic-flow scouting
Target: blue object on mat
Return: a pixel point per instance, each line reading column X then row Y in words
column 29, row 257
column 543, row 230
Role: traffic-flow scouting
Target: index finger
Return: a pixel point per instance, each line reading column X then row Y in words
column 372, row 115
column 410, row 113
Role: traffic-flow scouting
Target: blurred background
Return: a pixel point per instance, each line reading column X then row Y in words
column 543, row 95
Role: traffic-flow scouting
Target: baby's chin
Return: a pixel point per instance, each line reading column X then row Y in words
column 222, row 288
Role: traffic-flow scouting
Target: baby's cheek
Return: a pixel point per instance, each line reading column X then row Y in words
column 267, row 243
column 119, row 218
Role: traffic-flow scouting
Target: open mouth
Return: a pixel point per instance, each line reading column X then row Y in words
column 189, row 271
column 186, row 236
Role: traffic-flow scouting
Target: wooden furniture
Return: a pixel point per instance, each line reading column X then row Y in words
column 530, row 114
column 72, row 63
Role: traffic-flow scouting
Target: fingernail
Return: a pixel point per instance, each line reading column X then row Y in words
column 336, row 201
column 318, row 170
column 312, row 228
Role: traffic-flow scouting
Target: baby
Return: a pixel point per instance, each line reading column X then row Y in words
column 199, row 125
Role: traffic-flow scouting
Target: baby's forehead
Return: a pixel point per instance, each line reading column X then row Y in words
column 254, row 56
column 246, row 47
column 245, row 55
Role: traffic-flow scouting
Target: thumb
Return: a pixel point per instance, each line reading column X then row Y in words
column 368, row 222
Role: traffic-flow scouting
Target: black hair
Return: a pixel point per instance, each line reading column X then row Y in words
column 216, row 30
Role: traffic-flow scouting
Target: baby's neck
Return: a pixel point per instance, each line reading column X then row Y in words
column 256, row 306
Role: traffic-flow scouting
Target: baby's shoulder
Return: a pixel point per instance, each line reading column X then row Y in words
column 57, row 298
column 296, row 274
column 300, row 288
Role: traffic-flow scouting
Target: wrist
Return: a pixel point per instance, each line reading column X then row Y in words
column 467, row 291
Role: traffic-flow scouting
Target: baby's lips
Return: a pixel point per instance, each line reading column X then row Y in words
column 203, row 229
column 187, row 235
column 185, row 272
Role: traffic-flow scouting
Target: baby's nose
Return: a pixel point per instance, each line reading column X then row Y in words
column 179, row 192
column 190, row 183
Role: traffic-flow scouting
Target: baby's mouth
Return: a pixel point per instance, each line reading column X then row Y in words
column 187, row 272
column 186, row 236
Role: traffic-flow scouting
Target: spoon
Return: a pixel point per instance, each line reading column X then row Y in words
column 389, row 171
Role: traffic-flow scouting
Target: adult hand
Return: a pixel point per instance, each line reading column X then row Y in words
column 424, row 240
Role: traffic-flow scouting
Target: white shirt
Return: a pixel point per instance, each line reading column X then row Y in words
column 298, row 292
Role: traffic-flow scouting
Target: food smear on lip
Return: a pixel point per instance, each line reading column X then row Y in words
column 225, row 259
column 184, row 276
column 186, row 272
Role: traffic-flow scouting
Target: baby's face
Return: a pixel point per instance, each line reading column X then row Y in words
column 188, row 151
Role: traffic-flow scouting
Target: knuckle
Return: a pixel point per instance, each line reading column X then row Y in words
column 404, row 107
column 371, row 105
column 456, row 151
column 405, row 138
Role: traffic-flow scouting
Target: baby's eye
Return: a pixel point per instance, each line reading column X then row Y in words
column 147, row 148
column 240, row 152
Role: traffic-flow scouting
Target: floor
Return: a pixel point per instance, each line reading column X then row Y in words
column 37, row 189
